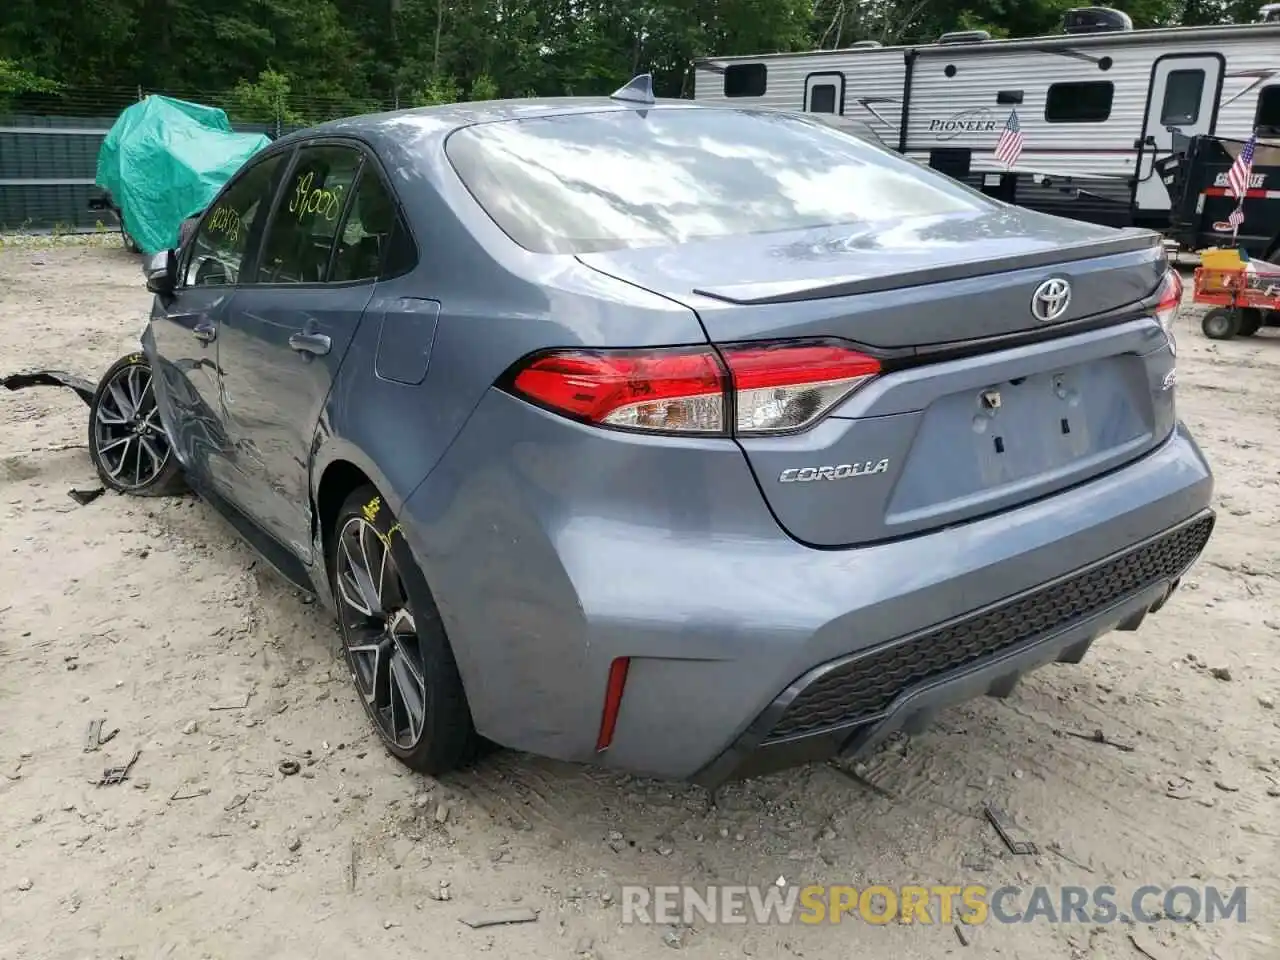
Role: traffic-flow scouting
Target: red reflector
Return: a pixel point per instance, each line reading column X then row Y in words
column 789, row 365
column 668, row 390
column 612, row 701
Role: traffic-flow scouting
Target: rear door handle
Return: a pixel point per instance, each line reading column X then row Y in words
column 313, row 343
column 204, row 332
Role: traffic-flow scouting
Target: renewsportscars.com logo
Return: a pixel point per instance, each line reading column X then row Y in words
column 970, row 904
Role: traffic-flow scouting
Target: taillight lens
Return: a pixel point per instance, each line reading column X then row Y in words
column 668, row 391
column 772, row 387
column 1169, row 300
column 787, row 386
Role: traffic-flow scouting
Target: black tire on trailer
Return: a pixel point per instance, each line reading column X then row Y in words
column 1220, row 323
column 1251, row 321
column 127, row 444
column 394, row 640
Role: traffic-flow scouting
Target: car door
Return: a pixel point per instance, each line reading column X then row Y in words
column 1182, row 102
column 184, row 327
column 283, row 341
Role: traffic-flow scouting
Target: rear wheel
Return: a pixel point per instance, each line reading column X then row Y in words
column 1250, row 321
column 1220, row 323
column 127, row 444
column 394, row 640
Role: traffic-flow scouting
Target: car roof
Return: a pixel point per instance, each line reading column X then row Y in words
column 437, row 122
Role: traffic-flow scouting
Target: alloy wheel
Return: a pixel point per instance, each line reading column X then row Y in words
column 131, row 444
column 380, row 633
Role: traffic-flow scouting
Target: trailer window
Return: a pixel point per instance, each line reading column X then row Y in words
column 1086, row 102
column 822, row 98
column 1183, row 90
column 1267, row 119
column 745, row 80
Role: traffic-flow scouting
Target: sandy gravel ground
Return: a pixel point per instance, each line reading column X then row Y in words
column 152, row 616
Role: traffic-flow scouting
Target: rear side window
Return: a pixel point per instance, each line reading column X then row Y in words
column 300, row 239
column 1182, row 94
column 1086, row 102
column 221, row 244
column 368, row 232
column 1267, row 119
column 629, row 178
column 745, row 80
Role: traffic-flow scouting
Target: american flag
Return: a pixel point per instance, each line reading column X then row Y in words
column 1236, row 216
column 1238, row 175
column 1009, row 146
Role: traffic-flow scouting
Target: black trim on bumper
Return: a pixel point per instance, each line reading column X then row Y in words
column 974, row 654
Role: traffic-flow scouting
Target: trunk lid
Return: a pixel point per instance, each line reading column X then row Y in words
column 935, row 442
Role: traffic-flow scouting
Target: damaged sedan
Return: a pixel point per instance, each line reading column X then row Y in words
column 686, row 440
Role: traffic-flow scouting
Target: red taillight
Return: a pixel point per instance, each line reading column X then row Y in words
column 787, row 386
column 665, row 390
column 773, row 387
column 612, row 701
column 1169, row 300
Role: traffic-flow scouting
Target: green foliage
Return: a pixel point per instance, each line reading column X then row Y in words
column 297, row 61
column 437, row 90
column 263, row 100
column 15, row 81
column 483, row 87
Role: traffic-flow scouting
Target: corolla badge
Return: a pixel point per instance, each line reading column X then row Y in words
column 841, row 471
column 1051, row 299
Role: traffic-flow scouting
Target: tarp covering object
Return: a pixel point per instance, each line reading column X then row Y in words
column 165, row 159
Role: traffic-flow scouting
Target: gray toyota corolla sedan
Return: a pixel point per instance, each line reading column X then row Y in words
column 691, row 441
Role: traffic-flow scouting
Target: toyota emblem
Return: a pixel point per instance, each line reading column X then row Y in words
column 1051, row 299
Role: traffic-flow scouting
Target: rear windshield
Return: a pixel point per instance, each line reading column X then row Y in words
column 630, row 178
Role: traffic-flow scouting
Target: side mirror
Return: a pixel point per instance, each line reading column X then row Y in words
column 162, row 272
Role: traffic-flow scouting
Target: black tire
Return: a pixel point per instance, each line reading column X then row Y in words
column 445, row 737
column 1251, row 319
column 127, row 445
column 1220, row 323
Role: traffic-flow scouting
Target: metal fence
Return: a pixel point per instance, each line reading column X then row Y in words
column 49, row 146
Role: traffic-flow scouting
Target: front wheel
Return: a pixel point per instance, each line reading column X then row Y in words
column 127, row 444
column 1220, row 323
column 394, row 641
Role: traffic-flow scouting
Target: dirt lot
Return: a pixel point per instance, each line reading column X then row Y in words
column 152, row 615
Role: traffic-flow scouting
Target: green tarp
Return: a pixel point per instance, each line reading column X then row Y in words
column 165, row 159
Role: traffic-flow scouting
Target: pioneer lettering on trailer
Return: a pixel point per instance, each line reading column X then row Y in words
column 979, row 120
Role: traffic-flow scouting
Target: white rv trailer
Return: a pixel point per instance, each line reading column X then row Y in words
column 1097, row 110
column 862, row 83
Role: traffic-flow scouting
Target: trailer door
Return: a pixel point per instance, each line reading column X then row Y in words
column 1181, row 103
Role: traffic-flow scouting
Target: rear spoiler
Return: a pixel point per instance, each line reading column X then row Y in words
column 796, row 291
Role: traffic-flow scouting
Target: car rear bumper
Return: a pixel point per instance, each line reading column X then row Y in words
column 847, row 706
column 570, row 547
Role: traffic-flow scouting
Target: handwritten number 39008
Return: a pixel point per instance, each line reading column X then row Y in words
column 324, row 203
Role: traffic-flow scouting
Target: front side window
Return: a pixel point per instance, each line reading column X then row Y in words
column 627, row 178
column 1086, row 102
column 221, row 244
column 367, row 233
column 308, row 214
column 1183, row 91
